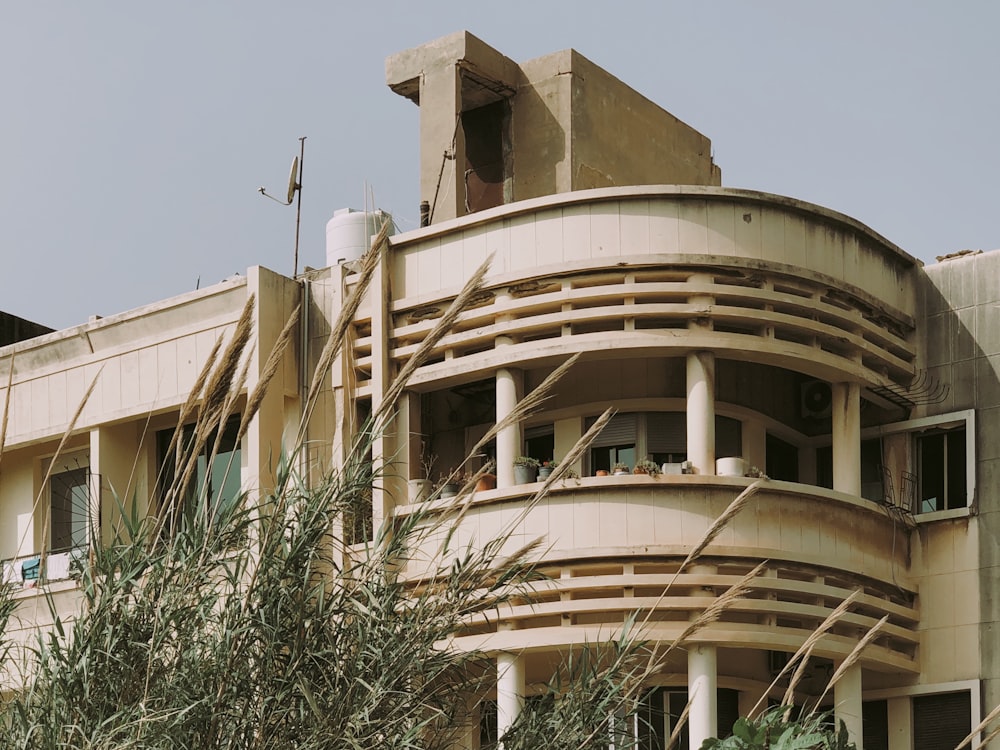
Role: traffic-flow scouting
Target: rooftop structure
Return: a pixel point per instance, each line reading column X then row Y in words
column 735, row 332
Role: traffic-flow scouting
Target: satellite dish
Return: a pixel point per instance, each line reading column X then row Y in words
column 293, row 176
column 293, row 186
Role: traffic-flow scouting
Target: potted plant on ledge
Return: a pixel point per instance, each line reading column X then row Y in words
column 646, row 466
column 546, row 469
column 620, row 469
column 450, row 482
column 525, row 469
column 487, row 480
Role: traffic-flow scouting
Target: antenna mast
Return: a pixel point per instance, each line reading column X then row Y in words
column 298, row 205
column 294, row 186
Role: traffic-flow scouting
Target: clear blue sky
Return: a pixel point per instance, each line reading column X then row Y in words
column 133, row 136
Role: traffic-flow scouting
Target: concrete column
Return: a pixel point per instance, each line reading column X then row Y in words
column 442, row 86
column 701, row 411
column 567, row 432
column 508, row 385
column 510, row 690
column 381, row 376
column 407, row 441
column 702, row 686
column 900, row 715
column 846, row 412
column 847, row 703
column 114, row 470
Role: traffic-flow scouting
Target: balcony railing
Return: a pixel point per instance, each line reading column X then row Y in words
column 30, row 571
column 612, row 545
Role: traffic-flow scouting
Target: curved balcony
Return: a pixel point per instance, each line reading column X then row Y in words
column 665, row 269
column 612, row 545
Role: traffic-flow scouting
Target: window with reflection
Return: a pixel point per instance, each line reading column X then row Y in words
column 217, row 469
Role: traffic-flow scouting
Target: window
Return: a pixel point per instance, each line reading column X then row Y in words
column 941, row 721
column 221, row 480
column 871, row 471
column 488, row 725
column 924, row 465
column 69, row 493
column 539, row 442
column 782, row 459
column 660, row 435
column 875, row 725
column 486, row 140
column 661, row 710
column 941, row 457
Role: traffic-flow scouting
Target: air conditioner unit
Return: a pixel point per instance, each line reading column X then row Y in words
column 816, row 399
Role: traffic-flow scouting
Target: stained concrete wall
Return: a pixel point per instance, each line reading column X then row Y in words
column 961, row 300
column 572, row 125
column 620, row 137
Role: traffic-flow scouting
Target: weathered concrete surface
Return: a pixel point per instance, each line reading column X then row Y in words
column 569, row 124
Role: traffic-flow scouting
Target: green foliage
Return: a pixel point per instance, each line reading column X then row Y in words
column 249, row 625
column 201, row 639
column 772, row 731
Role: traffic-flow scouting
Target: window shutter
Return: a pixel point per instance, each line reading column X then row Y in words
column 875, row 720
column 666, row 432
column 728, row 437
column 941, row 721
column 621, row 430
column 541, row 430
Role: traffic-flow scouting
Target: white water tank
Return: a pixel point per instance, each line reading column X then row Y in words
column 350, row 232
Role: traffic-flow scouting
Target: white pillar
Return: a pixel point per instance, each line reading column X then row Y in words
column 703, row 718
column 701, row 412
column 508, row 439
column 510, row 690
column 846, row 413
column 900, row 715
column 847, row 703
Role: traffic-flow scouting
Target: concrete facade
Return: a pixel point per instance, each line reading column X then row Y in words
column 551, row 125
column 726, row 327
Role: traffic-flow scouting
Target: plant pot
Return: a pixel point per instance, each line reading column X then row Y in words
column 621, row 474
column 524, row 474
column 669, row 468
column 544, row 472
column 601, row 473
column 450, row 489
column 731, row 466
column 420, row 490
column 486, row 482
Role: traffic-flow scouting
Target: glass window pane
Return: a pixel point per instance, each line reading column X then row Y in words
column 70, row 498
column 931, row 449
column 956, row 469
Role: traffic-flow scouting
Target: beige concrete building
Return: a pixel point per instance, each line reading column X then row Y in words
column 732, row 330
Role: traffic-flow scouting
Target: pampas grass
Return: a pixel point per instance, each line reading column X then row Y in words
column 853, row 657
column 442, row 328
column 805, row 650
column 334, row 345
column 719, row 605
